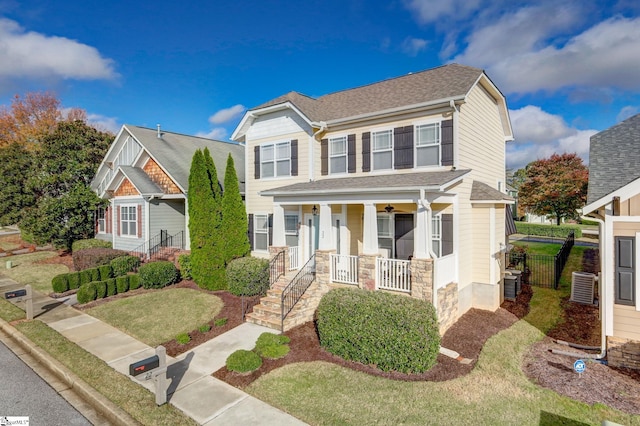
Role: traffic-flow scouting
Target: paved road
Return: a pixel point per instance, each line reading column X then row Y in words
column 24, row 393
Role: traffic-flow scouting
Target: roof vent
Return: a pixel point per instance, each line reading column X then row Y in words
column 159, row 134
column 582, row 285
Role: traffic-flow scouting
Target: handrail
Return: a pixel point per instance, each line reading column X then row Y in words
column 296, row 288
column 152, row 246
column 276, row 267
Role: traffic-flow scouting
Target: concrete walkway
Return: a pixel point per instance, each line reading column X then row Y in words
column 192, row 389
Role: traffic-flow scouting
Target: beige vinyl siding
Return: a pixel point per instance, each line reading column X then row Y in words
column 626, row 322
column 625, row 229
column 466, row 225
column 480, row 255
column 630, row 207
column 481, row 140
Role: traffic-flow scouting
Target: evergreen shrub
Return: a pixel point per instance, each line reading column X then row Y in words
column 134, row 281
column 158, row 274
column 122, row 284
column 243, row 361
column 60, row 283
column 395, row 333
column 124, row 264
column 74, row 280
column 85, row 276
column 105, row 272
column 95, row 274
column 87, row 293
column 184, row 261
column 101, row 289
column 248, row 276
column 111, row 287
column 541, row 230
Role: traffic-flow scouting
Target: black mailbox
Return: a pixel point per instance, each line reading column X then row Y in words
column 15, row 293
column 144, row 366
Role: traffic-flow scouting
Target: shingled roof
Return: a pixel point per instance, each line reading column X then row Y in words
column 441, row 83
column 614, row 158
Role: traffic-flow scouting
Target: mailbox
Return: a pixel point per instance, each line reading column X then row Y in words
column 15, row 293
column 144, row 366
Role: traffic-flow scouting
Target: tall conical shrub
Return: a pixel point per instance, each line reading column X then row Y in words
column 234, row 216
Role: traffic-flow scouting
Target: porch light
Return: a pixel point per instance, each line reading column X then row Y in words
column 314, row 210
column 389, row 208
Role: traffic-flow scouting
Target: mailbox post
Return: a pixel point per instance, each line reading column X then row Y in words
column 25, row 294
column 155, row 368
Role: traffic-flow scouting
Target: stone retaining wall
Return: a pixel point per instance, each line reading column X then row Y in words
column 623, row 352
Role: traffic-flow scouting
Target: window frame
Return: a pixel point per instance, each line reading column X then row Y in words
column 134, row 207
column 331, row 155
column 259, row 231
column 417, row 146
column 375, row 151
column 391, row 236
column 101, row 221
column 436, row 233
column 275, row 160
column 288, row 232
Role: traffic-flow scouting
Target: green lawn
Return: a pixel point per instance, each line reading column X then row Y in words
column 538, row 248
column 495, row 392
column 25, row 270
column 157, row 317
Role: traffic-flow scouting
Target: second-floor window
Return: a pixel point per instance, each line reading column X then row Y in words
column 338, row 155
column 428, row 145
column 382, row 149
column 275, row 159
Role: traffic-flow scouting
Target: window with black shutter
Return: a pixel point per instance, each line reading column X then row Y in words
column 324, row 157
column 447, row 142
column 625, row 271
column 403, row 147
column 366, row 151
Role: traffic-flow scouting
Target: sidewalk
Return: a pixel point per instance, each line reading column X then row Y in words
column 192, row 389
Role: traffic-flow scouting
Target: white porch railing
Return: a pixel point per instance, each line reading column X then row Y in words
column 344, row 269
column 393, row 274
column 294, row 258
column 445, row 270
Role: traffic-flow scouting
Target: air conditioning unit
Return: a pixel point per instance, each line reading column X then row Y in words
column 582, row 285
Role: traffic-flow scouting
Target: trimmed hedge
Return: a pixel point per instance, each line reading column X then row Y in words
column 124, row 264
column 87, row 293
column 248, row 276
column 122, row 284
column 111, row 287
column 85, row 276
column 542, row 230
column 184, row 261
column 158, row 274
column 74, row 280
column 243, row 361
column 94, row 257
column 101, row 289
column 90, row 243
column 60, row 283
column 95, row 274
column 105, row 272
column 134, row 281
column 395, row 333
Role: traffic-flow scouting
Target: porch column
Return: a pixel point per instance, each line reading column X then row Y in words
column 370, row 232
column 278, row 226
column 324, row 238
column 422, row 235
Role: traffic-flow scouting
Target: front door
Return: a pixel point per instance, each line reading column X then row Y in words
column 403, row 236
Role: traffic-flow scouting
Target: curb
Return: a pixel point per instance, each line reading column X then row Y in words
column 99, row 402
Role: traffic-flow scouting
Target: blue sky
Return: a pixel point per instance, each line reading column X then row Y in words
column 568, row 68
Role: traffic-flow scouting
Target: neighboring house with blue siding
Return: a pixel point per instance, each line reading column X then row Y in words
column 613, row 198
column 145, row 177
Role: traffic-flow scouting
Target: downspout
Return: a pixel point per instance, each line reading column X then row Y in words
column 603, row 342
column 322, row 127
column 434, row 291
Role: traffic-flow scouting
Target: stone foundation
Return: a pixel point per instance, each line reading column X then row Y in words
column 623, row 352
column 447, row 306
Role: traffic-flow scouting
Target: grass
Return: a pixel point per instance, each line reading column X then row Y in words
column 154, row 318
column 130, row 396
column 25, row 270
column 9, row 312
column 495, row 392
column 539, row 248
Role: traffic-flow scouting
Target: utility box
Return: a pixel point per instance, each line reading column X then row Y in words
column 510, row 287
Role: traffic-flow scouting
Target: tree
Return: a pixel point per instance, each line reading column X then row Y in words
column 16, row 168
column 516, row 178
column 555, row 186
column 234, row 216
column 64, row 166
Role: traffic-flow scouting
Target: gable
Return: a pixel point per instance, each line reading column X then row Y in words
column 160, row 178
column 126, row 188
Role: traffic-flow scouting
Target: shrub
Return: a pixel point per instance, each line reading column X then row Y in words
column 101, row 289
column 85, row 276
column 122, row 284
column 183, row 338
column 184, row 260
column 271, row 339
column 95, row 274
column 90, row 243
column 219, row 322
column 134, row 281
column 542, row 230
column 248, row 276
column 123, row 264
column 111, row 287
column 273, row 351
column 94, row 257
column 87, row 293
column 158, row 274
column 60, row 283
column 393, row 332
column 74, row 280
column 204, row 328
column 243, row 361
column 105, row 272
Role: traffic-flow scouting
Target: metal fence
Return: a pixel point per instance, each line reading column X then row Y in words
column 542, row 270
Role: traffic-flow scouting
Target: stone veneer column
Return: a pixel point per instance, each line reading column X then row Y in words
column 367, row 271
column 273, row 250
column 323, row 267
column 422, row 279
column 447, row 308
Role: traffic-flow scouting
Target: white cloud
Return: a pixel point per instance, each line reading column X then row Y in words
column 35, row 55
column 227, row 114
column 627, row 112
column 412, row 46
column 102, row 122
column 540, row 134
column 428, row 11
column 217, row 133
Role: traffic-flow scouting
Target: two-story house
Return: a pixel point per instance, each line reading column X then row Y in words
column 397, row 185
column 145, row 177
